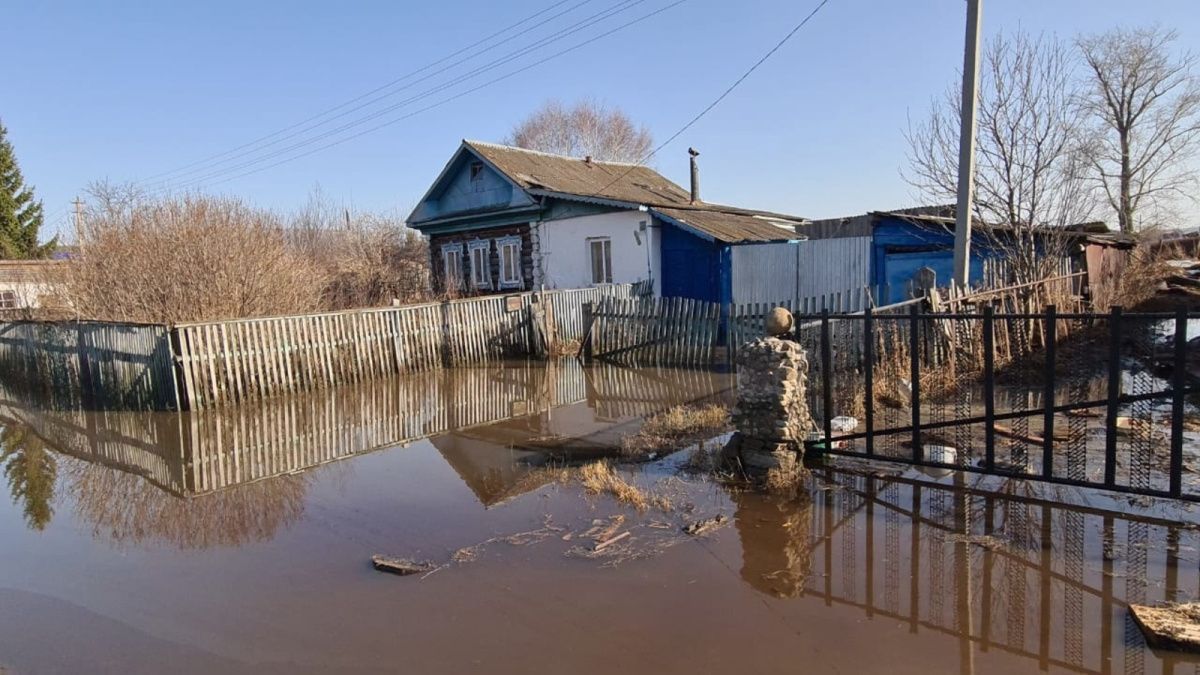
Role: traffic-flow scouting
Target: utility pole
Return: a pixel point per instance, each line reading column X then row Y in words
column 966, row 148
column 78, row 221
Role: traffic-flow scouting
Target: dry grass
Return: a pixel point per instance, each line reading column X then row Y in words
column 600, row 478
column 675, row 427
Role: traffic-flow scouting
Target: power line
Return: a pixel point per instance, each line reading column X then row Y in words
column 579, row 26
column 724, row 94
column 441, row 102
column 388, row 85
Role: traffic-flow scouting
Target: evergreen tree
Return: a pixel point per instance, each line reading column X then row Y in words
column 20, row 214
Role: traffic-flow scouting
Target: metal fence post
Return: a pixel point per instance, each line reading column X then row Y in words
column 869, row 376
column 914, row 352
column 989, row 387
column 1049, row 334
column 1114, row 396
column 1178, row 385
column 826, row 378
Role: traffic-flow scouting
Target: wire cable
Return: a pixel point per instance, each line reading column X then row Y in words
column 584, row 24
column 449, row 99
column 716, row 101
column 387, row 85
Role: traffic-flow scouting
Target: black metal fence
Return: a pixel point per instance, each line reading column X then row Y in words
column 1094, row 400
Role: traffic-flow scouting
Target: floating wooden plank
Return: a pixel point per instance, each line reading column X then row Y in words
column 1173, row 627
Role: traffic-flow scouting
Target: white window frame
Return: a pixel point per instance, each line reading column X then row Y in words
column 606, row 244
column 481, row 274
column 455, row 252
column 510, row 276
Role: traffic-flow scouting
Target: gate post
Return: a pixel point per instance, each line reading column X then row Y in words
column 989, row 387
column 1178, row 384
column 914, row 353
column 869, row 377
column 1050, row 337
column 1114, row 396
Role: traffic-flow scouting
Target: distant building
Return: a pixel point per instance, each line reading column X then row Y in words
column 912, row 248
column 29, row 284
column 502, row 219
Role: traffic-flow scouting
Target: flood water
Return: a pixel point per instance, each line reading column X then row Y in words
column 239, row 541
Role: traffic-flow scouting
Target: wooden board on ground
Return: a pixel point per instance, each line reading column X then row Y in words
column 1173, row 627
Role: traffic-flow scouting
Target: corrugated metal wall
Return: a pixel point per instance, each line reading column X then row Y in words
column 782, row 272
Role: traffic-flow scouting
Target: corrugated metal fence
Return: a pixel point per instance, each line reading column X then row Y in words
column 779, row 273
column 91, row 364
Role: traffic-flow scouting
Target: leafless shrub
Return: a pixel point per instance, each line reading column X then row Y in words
column 588, row 128
column 369, row 260
column 181, row 259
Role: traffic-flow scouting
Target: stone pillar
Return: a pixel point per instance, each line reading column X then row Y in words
column 771, row 417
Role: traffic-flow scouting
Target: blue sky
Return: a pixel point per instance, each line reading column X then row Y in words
column 124, row 90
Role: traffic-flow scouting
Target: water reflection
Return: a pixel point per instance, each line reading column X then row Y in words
column 1010, row 573
column 31, row 472
column 223, row 477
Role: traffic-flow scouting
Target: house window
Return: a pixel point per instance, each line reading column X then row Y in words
column 509, row 249
column 8, row 300
column 481, row 263
column 600, row 253
column 476, row 172
column 452, row 266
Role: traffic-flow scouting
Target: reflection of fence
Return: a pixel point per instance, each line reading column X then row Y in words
column 203, row 451
column 1010, row 393
column 104, row 365
column 1020, row 576
column 654, row 331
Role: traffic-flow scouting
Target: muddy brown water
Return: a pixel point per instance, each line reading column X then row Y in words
column 239, row 542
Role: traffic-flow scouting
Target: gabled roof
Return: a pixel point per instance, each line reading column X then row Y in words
column 544, row 172
column 632, row 185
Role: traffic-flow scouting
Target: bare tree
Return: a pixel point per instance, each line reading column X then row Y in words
column 1030, row 174
column 586, row 129
column 1145, row 108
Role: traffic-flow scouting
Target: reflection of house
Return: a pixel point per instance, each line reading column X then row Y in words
column 501, row 218
column 28, row 284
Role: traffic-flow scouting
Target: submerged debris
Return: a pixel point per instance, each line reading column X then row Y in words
column 402, row 566
column 981, row 540
column 704, row 526
column 1175, row 626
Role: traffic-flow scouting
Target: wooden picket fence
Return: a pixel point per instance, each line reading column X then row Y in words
column 659, row 331
column 747, row 321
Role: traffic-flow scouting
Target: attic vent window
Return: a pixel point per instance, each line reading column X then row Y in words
column 476, row 172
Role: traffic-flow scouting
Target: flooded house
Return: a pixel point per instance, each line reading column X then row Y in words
column 501, row 219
